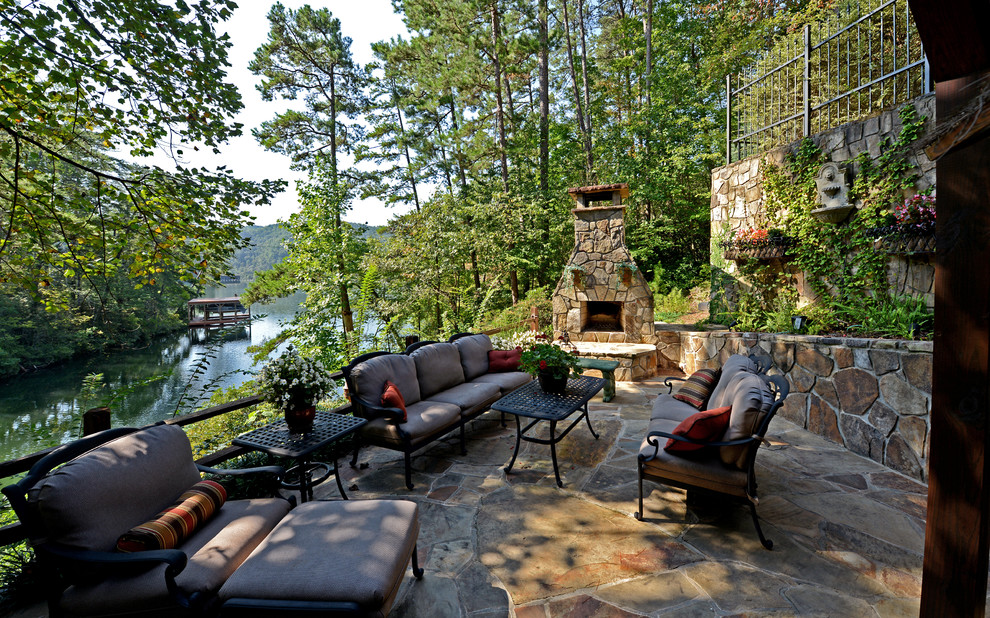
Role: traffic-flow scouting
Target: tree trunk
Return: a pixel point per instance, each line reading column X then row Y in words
column 587, row 91
column 648, row 31
column 500, row 106
column 543, row 61
column 346, row 315
column 405, row 147
column 577, row 96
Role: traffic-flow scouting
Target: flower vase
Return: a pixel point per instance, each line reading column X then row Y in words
column 300, row 420
column 552, row 384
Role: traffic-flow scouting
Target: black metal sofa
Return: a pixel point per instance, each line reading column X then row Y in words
column 725, row 466
column 77, row 502
column 444, row 386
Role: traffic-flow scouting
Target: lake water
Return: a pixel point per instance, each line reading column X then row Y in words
column 44, row 407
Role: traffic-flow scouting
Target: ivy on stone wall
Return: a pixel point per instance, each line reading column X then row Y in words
column 837, row 263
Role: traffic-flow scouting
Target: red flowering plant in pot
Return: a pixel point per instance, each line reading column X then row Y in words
column 550, row 364
column 294, row 384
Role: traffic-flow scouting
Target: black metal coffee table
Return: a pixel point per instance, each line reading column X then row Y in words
column 531, row 402
column 276, row 439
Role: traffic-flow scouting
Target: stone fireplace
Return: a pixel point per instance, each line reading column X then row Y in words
column 602, row 296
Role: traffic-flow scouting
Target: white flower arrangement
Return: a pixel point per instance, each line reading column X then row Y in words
column 510, row 341
column 291, row 382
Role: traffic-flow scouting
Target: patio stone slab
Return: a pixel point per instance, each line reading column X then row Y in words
column 652, row 593
column 737, row 588
column 535, row 540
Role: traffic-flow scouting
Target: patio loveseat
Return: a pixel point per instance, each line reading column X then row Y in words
column 122, row 526
column 442, row 386
column 673, row 452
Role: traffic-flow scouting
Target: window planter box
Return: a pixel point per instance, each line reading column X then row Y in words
column 904, row 239
column 769, row 249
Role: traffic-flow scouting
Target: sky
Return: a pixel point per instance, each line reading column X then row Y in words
column 364, row 21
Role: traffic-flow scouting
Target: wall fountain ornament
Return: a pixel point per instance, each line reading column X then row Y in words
column 833, row 194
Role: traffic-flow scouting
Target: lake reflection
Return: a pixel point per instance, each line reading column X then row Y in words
column 43, row 406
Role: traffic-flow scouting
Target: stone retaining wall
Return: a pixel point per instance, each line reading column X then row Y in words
column 871, row 395
column 737, row 197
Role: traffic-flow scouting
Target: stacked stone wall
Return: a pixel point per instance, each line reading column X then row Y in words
column 737, row 194
column 872, row 396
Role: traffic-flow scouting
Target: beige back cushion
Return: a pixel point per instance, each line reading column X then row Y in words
column 735, row 364
column 369, row 378
column 93, row 499
column 751, row 400
column 438, row 367
column 474, row 355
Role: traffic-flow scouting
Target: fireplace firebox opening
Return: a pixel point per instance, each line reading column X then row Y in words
column 603, row 316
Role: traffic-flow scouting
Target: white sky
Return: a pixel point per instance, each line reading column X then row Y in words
column 364, row 21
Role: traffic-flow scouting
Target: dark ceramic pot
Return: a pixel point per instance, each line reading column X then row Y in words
column 300, row 420
column 551, row 384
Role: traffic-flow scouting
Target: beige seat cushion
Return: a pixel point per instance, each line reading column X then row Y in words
column 214, row 552
column 506, row 382
column 369, row 378
column 340, row 551
column 469, row 396
column 665, row 406
column 751, row 400
column 698, row 470
column 424, row 418
column 474, row 354
column 438, row 367
column 735, row 364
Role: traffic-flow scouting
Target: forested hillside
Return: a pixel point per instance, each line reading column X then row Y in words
column 501, row 105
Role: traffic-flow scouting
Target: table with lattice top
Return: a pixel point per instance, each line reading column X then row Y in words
column 530, row 401
column 276, row 439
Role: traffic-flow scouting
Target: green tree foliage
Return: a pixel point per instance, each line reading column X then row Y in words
column 96, row 252
column 265, row 248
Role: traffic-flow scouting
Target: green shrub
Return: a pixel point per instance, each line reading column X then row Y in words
column 671, row 305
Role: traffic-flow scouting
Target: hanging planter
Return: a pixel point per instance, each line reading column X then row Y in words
column 904, row 239
column 766, row 248
column 577, row 276
column 624, row 272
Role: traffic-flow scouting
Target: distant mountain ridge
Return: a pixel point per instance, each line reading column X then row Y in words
column 267, row 247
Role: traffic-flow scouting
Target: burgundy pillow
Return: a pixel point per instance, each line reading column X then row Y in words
column 392, row 398
column 696, row 389
column 705, row 426
column 500, row 361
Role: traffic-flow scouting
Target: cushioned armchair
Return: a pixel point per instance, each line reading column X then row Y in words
column 79, row 500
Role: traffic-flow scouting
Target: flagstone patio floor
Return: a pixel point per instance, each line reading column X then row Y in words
column 848, row 533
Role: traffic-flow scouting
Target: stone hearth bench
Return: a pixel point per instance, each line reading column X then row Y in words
column 636, row 361
column 443, row 386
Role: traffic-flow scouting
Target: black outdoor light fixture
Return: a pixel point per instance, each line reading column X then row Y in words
column 798, row 322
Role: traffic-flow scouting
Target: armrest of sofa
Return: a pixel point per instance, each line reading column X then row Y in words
column 371, row 411
column 85, row 565
column 669, row 383
column 653, row 439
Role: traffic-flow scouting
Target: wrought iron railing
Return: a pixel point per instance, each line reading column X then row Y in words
column 849, row 67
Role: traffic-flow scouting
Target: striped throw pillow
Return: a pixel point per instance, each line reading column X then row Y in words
column 168, row 529
column 698, row 387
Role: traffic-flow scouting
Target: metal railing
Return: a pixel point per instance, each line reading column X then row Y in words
column 846, row 68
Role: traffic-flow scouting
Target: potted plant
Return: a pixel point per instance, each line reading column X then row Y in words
column 577, row 275
column 294, row 384
column 550, row 364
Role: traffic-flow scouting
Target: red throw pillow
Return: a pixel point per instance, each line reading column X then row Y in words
column 500, row 361
column 392, row 398
column 705, row 426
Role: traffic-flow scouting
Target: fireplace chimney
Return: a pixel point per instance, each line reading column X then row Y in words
column 602, row 296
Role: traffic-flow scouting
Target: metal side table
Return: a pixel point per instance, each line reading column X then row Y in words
column 276, row 439
column 531, row 402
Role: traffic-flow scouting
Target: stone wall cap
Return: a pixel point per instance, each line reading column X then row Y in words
column 576, row 211
column 919, row 346
column 618, row 186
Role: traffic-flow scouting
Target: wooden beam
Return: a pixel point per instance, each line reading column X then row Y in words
column 956, row 36
column 956, row 535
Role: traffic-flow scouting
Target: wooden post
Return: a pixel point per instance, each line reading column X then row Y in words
column 411, row 339
column 956, row 540
column 96, row 420
column 534, row 319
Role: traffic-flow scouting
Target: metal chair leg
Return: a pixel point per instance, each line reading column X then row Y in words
column 416, row 569
column 409, row 483
column 639, row 515
column 767, row 543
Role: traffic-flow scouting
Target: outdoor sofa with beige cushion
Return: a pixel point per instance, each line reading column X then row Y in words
column 725, row 466
column 79, row 500
column 444, row 385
